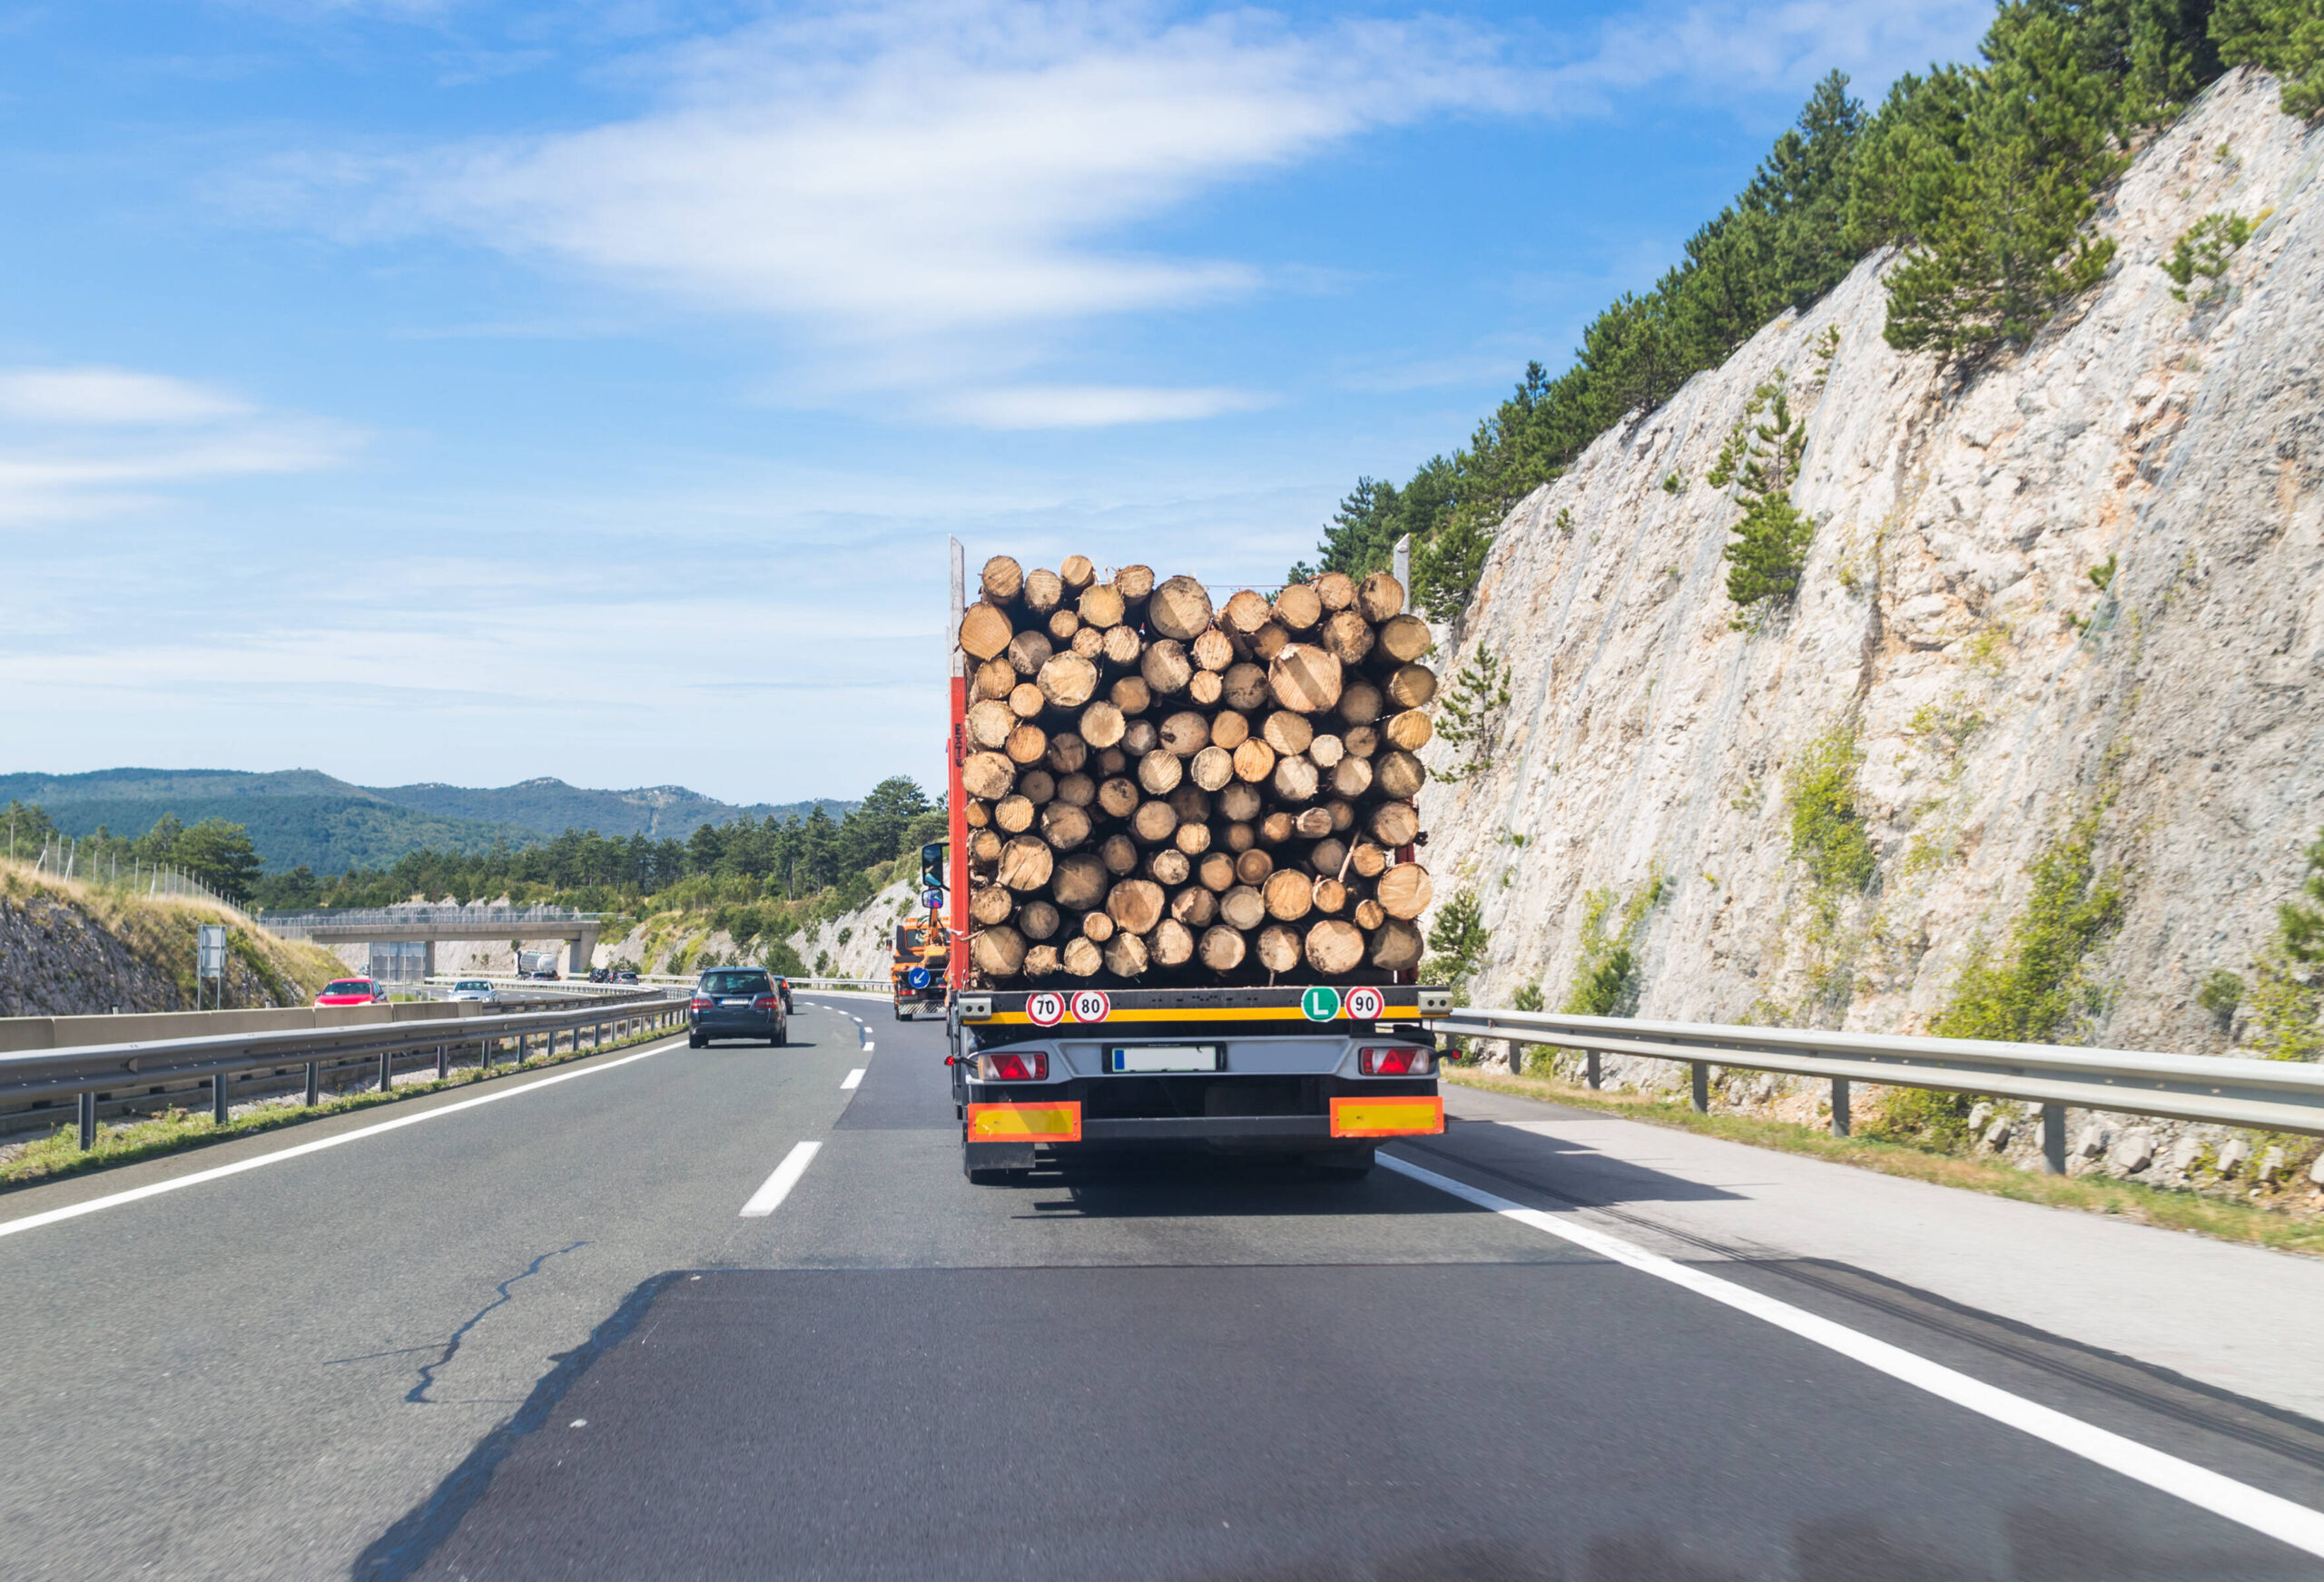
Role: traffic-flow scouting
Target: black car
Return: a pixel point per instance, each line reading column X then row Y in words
column 782, row 988
column 737, row 1002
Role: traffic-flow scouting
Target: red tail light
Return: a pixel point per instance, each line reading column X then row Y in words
column 701, row 1002
column 1396, row 1062
column 1030, row 1065
column 765, row 1002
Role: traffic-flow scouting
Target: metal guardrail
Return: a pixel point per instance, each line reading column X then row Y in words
column 2277, row 1095
column 88, row 1071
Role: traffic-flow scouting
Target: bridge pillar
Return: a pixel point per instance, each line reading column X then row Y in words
column 428, row 962
column 579, row 950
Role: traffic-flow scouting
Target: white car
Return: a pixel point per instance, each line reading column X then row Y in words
column 479, row 989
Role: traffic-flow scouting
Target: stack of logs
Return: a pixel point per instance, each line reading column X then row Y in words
column 1168, row 792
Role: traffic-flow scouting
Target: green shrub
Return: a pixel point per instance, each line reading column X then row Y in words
column 2287, row 1001
column 1606, row 974
column 2034, row 992
column 2203, row 250
column 1938, row 1121
column 2221, row 994
column 1826, row 827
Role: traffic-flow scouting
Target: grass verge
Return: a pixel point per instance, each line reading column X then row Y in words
column 59, row 1155
column 2150, row 1205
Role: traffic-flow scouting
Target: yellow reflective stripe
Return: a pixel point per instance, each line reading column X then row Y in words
column 1395, row 1115
column 1057, row 1122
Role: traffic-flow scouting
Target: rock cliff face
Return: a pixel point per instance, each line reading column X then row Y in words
column 65, row 950
column 854, row 944
column 2084, row 579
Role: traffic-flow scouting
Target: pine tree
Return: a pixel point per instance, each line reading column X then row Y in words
column 1760, row 461
column 2282, row 36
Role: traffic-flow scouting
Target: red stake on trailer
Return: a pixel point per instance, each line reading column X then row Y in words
column 956, row 795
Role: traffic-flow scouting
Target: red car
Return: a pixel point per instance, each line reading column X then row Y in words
column 351, row 991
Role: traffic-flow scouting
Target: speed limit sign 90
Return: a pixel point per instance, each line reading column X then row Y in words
column 1366, row 1004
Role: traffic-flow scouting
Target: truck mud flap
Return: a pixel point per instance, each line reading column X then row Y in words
column 979, row 1157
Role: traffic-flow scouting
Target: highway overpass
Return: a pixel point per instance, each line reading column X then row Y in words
column 440, row 925
column 734, row 1312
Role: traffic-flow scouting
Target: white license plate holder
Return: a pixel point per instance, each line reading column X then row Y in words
column 1143, row 1059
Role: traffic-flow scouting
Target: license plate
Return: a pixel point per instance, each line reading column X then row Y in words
column 733, row 1002
column 1136, row 1058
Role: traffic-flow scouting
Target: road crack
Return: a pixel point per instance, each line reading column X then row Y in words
column 418, row 1394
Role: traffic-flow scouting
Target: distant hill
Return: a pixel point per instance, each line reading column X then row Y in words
column 302, row 816
column 552, row 807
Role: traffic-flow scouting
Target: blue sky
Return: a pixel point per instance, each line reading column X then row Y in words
column 464, row 391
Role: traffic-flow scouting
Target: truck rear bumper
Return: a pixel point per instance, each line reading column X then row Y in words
column 1065, row 1123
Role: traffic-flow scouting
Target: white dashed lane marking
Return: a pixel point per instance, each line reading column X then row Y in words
column 769, row 1197
column 854, row 1078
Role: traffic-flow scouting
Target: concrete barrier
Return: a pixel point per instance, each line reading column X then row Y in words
column 18, row 1034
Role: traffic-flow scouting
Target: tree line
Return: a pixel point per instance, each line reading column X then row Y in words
column 1984, row 176
column 218, row 853
column 744, row 861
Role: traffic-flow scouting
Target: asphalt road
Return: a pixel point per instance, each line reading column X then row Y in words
column 539, row 1337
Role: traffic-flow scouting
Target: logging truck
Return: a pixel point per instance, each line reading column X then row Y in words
column 1183, row 875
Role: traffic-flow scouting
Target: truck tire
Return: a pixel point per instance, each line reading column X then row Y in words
column 902, row 1015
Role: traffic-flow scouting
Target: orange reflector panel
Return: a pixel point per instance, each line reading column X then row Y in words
column 1387, row 1117
column 1059, row 1121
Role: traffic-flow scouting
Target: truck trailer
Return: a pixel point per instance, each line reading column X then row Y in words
column 1313, row 1065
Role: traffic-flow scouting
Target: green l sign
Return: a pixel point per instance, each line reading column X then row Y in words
column 1320, row 1004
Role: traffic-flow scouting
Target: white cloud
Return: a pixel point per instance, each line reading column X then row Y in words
column 110, row 395
column 896, row 185
column 911, row 189
column 80, row 442
column 1094, row 406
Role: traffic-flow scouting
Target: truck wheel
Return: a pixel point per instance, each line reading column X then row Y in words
column 902, row 1015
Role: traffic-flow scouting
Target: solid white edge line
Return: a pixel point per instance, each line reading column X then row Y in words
column 769, row 1197
column 177, row 1184
column 2280, row 1519
column 853, row 1079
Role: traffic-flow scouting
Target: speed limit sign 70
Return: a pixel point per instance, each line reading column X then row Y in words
column 1045, row 1009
